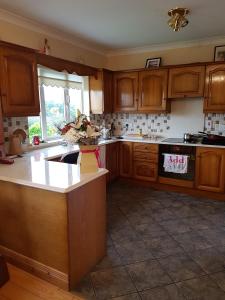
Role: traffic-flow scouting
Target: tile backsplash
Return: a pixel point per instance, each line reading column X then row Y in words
column 215, row 123
column 156, row 124
column 11, row 124
column 132, row 123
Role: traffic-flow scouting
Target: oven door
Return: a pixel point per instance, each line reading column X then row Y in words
column 179, row 150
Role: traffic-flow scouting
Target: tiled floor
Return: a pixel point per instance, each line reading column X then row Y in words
column 161, row 246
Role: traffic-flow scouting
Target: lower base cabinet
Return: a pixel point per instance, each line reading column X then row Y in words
column 210, row 169
column 145, row 171
column 112, row 161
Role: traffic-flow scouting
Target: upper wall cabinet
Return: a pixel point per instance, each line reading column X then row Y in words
column 215, row 88
column 186, row 82
column 101, row 92
column 125, row 91
column 144, row 91
column 19, row 82
column 153, row 91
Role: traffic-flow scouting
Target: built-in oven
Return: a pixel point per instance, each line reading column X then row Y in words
column 189, row 151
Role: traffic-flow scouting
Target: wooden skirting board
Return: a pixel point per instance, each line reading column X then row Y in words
column 32, row 266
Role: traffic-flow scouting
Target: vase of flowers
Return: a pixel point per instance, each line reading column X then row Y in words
column 84, row 133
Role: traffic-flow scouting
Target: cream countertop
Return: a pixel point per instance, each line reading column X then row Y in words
column 33, row 169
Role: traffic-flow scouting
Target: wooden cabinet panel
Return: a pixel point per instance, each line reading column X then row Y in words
column 153, row 91
column 215, row 88
column 125, row 91
column 186, row 82
column 101, row 92
column 19, row 83
column 112, row 161
column 210, row 169
column 126, row 159
column 145, row 170
column 147, row 156
column 144, row 147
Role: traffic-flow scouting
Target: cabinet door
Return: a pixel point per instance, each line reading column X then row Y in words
column 153, row 91
column 186, row 82
column 125, row 91
column 145, row 170
column 100, row 91
column 19, row 83
column 126, row 159
column 112, row 161
column 215, row 89
column 210, row 169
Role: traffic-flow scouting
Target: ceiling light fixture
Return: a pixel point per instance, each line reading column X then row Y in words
column 178, row 20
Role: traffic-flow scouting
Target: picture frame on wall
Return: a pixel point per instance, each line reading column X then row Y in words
column 153, row 62
column 219, row 53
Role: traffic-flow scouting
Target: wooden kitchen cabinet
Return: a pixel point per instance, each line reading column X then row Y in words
column 210, row 169
column 101, row 92
column 186, row 82
column 144, row 91
column 145, row 161
column 145, row 170
column 215, row 89
column 125, row 91
column 126, row 159
column 19, row 82
column 112, row 161
column 153, row 91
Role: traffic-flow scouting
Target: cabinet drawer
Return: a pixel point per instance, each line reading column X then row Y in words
column 143, row 147
column 153, row 157
column 145, row 170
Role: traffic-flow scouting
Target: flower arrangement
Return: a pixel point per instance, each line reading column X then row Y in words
column 80, row 131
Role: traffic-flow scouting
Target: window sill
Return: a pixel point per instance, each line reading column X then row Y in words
column 51, row 143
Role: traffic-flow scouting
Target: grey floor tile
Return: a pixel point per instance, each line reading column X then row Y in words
column 131, row 252
column 150, row 203
column 216, row 236
column 148, row 274
column 197, row 223
column 163, row 246
column 211, row 260
column 201, row 289
column 191, row 241
column 163, row 214
column 127, row 233
column 112, row 259
column 181, row 267
column 175, row 226
column 219, row 279
column 134, row 296
column 185, row 211
column 168, row 292
column 85, row 289
column 112, row 283
column 151, row 229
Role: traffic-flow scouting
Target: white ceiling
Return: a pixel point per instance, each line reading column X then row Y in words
column 119, row 24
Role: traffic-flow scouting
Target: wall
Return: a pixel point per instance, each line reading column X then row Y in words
column 169, row 57
column 22, row 36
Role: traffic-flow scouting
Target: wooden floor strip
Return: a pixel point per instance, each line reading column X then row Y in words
column 24, row 286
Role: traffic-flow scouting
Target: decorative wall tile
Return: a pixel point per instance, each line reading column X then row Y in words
column 11, row 124
column 214, row 123
column 148, row 123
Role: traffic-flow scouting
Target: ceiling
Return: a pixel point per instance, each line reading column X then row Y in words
column 122, row 24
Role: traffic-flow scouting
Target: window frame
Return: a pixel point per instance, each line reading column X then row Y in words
column 43, row 118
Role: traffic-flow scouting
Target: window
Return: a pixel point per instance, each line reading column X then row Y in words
column 60, row 96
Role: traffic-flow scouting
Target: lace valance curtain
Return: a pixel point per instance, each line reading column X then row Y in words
column 54, row 82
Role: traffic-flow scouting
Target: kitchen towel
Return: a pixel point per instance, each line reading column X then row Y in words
column 175, row 163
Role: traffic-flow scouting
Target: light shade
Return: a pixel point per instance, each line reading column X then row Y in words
column 178, row 20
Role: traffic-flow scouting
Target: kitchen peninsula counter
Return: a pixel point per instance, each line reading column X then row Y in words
column 53, row 220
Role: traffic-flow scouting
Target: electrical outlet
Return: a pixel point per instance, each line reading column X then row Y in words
column 209, row 124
